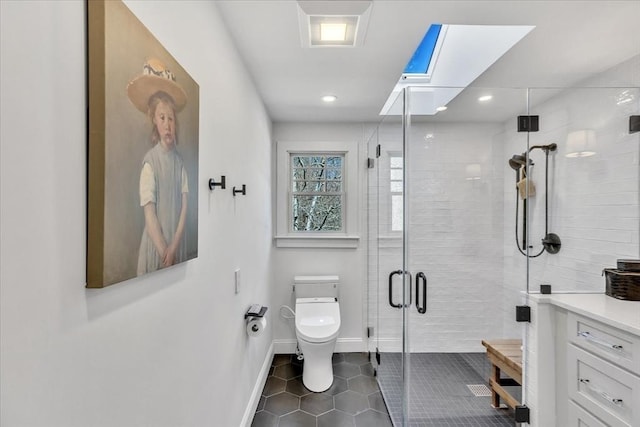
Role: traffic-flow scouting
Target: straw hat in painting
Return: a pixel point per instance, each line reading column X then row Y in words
column 155, row 77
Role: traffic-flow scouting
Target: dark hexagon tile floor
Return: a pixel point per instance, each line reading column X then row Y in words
column 353, row 400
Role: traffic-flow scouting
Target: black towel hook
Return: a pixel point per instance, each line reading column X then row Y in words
column 222, row 184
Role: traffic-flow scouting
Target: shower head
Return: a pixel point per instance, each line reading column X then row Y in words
column 546, row 148
column 517, row 161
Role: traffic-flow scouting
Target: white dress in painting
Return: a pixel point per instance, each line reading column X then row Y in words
column 162, row 181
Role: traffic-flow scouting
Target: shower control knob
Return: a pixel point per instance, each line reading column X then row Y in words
column 551, row 243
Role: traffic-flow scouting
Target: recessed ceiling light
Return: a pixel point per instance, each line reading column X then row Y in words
column 333, row 32
column 442, row 108
column 333, row 23
column 485, row 98
column 329, row 98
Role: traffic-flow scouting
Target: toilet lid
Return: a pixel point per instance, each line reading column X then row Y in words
column 317, row 321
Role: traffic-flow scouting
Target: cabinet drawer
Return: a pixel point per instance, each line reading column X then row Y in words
column 609, row 392
column 612, row 344
column 578, row 417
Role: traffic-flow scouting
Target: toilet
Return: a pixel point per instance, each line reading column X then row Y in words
column 317, row 327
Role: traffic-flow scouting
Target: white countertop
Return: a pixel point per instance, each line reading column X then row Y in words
column 621, row 314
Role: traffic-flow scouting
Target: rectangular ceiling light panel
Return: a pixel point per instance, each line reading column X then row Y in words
column 333, row 23
column 333, row 30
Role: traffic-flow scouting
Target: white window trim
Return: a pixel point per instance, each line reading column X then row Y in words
column 285, row 237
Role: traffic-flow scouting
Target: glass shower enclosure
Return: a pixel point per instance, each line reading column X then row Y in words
column 473, row 207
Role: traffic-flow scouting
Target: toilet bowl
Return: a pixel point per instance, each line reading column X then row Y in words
column 317, row 329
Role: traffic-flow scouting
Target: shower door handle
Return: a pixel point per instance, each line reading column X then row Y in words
column 391, row 303
column 419, row 276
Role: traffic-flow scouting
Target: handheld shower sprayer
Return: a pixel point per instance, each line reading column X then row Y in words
column 517, row 161
column 551, row 242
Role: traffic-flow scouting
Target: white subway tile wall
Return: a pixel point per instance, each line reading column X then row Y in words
column 456, row 237
column 594, row 200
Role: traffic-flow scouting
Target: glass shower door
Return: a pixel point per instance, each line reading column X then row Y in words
column 385, row 317
column 446, row 271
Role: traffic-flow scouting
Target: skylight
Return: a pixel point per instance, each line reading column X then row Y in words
column 447, row 60
column 419, row 62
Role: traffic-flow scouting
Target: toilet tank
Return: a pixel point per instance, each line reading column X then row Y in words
column 315, row 286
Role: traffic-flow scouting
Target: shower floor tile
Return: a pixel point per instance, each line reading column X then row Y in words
column 438, row 390
column 353, row 400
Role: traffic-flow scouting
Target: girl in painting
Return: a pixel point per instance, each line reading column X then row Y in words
column 163, row 178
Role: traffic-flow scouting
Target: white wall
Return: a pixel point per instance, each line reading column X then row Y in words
column 167, row 349
column 349, row 264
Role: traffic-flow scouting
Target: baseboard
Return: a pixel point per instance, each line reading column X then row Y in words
column 247, row 418
column 350, row 345
column 284, row 346
column 343, row 345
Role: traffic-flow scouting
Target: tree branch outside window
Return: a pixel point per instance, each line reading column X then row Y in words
column 317, row 192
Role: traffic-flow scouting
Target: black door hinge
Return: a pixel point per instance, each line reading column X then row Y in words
column 378, row 151
column 522, row 414
column 377, row 355
column 634, row 124
column 528, row 123
column 523, row 313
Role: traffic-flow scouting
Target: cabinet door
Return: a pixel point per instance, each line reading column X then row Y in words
column 578, row 417
column 607, row 391
column 612, row 344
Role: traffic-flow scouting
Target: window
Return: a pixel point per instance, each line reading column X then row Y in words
column 317, row 194
column 395, row 190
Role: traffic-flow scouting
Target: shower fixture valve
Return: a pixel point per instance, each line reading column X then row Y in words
column 552, row 243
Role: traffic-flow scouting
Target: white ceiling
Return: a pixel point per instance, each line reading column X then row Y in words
column 572, row 41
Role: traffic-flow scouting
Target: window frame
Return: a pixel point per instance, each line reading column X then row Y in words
column 285, row 236
column 292, row 192
column 395, row 155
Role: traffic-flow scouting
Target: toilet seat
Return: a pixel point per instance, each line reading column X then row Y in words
column 317, row 319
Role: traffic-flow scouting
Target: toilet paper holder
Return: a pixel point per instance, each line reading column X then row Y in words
column 253, row 311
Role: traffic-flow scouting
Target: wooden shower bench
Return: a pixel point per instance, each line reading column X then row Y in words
column 505, row 356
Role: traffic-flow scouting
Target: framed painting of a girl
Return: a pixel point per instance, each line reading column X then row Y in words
column 143, row 151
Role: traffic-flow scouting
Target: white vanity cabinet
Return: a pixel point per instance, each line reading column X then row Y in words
column 597, row 365
column 603, row 375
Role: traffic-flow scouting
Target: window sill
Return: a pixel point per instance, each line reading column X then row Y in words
column 340, row 242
